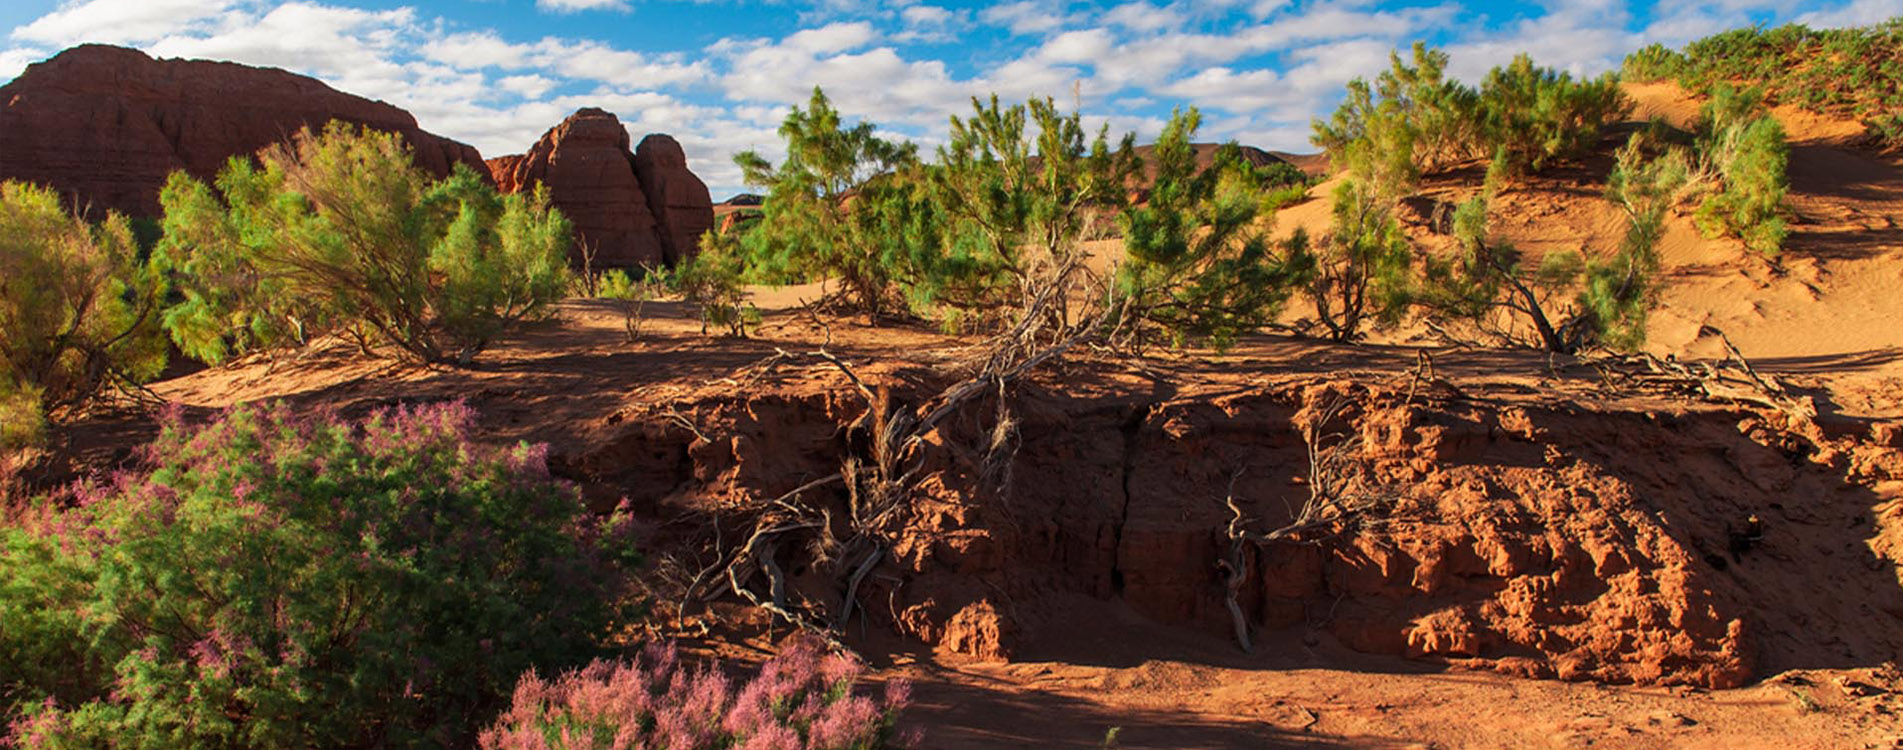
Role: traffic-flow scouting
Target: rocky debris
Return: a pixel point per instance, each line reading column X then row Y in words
column 682, row 208
column 107, row 125
column 630, row 208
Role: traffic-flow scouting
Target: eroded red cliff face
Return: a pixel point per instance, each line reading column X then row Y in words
column 630, row 207
column 106, row 125
column 682, row 208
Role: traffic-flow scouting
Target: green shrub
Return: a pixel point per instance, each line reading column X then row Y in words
column 713, row 280
column 78, row 311
column 1743, row 147
column 808, row 231
column 341, row 232
column 1415, row 121
column 1017, row 205
column 1198, row 264
column 278, row 580
column 1360, row 272
column 1530, row 116
column 1847, row 72
column 1653, row 62
column 1619, row 291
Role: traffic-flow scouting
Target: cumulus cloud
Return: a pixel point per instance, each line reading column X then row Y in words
column 1259, row 69
column 571, row 6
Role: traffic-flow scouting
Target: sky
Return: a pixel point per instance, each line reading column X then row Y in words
column 720, row 75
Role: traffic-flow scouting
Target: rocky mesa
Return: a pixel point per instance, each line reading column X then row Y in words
column 106, row 125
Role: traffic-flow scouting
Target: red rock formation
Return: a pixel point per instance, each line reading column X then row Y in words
column 106, row 125
column 679, row 201
column 589, row 171
column 502, row 170
column 633, row 208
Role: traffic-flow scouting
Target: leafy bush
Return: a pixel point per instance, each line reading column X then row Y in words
column 1016, row 205
column 808, row 232
column 1360, row 271
column 713, row 280
column 341, row 232
column 1619, row 292
column 1198, row 263
column 1487, row 276
column 1653, row 62
column 1413, row 120
column 800, row 700
column 1848, row 72
column 281, row 580
column 1743, row 146
column 78, row 311
column 1530, row 116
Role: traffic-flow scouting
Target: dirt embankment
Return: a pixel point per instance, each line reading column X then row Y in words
column 1538, row 539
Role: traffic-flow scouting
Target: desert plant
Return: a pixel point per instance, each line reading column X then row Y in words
column 713, row 280
column 1847, row 72
column 1198, row 262
column 808, row 230
column 1653, row 62
column 78, row 311
column 802, row 699
column 273, row 579
column 1530, row 115
column 1360, row 271
column 1619, row 291
column 1018, row 203
column 1743, row 148
column 1413, row 120
column 632, row 294
column 340, row 232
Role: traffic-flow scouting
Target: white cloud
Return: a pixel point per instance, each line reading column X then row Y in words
column 120, row 21
column 571, row 6
column 1026, row 16
column 1855, row 13
column 1143, row 17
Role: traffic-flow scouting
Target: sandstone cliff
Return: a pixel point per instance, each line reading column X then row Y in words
column 630, row 207
column 106, row 125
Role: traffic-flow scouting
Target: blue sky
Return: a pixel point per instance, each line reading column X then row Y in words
column 719, row 75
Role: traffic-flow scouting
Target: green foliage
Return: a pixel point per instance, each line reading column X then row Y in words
column 1847, row 72
column 78, row 311
column 1530, row 116
column 1653, row 62
column 633, row 294
column 808, row 231
column 276, row 580
column 1619, row 291
column 341, row 232
column 1017, row 206
column 1198, row 263
column 1486, row 276
column 714, row 281
column 1360, row 272
column 1413, row 120
column 1744, row 146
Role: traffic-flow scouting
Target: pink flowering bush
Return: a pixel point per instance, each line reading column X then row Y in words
column 800, row 700
column 274, row 579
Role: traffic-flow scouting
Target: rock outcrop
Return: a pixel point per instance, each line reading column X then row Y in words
column 682, row 208
column 629, row 207
column 106, row 125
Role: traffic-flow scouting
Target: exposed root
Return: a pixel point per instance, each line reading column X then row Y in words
column 1341, row 500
